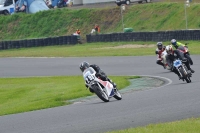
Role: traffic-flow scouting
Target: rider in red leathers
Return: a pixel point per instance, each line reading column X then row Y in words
column 159, row 50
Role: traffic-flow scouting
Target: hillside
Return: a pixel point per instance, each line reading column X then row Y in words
column 140, row 17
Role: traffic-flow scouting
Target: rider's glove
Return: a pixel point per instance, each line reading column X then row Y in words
column 98, row 75
column 156, row 52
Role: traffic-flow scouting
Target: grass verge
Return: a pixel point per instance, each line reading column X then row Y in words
column 191, row 125
column 34, row 93
column 94, row 49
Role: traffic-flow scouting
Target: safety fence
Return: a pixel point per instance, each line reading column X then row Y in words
column 145, row 36
column 60, row 40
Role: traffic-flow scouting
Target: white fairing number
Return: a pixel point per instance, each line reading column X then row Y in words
column 89, row 78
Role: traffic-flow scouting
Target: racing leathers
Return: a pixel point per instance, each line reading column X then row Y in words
column 178, row 44
column 159, row 60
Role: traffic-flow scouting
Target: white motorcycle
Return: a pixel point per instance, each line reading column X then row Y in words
column 103, row 89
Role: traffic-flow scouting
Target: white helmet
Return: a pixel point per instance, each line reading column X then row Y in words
column 169, row 49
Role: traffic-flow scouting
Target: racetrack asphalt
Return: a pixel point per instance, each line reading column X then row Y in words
column 175, row 100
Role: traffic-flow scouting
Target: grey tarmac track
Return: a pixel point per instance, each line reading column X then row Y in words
column 174, row 101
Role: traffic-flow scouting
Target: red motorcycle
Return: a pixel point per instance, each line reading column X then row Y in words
column 186, row 53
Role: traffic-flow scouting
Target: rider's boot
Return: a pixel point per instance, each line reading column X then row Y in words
column 192, row 70
column 164, row 66
column 160, row 63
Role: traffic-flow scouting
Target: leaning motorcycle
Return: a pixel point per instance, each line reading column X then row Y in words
column 182, row 69
column 186, row 53
column 103, row 89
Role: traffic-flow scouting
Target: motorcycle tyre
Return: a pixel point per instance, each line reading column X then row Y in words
column 185, row 76
column 101, row 94
column 117, row 95
column 188, row 80
column 189, row 59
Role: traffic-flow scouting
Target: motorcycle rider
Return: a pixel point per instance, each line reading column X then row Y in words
column 160, row 48
column 174, row 54
column 99, row 73
column 176, row 44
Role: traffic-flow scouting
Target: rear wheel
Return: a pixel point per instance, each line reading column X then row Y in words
column 101, row 94
column 117, row 95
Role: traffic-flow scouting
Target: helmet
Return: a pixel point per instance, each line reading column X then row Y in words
column 173, row 42
column 159, row 45
column 84, row 65
column 169, row 49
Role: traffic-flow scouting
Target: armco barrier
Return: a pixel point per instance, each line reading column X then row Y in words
column 60, row 40
column 146, row 36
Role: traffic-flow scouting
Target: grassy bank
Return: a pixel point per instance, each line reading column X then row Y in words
column 94, row 49
column 34, row 93
column 185, row 126
column 141, row 17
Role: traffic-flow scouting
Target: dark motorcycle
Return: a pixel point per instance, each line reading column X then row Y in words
column 186, row 53
column 183, row 71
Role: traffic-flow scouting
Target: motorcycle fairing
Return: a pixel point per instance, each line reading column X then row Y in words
column 108, row 86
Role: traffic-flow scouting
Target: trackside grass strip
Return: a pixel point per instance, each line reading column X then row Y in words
column 191, row 125
column 34, row 93
column 94, row 49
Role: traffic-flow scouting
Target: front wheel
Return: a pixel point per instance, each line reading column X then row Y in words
column 101, row 94
column 5, row 12
column 117, row 95
column 185, row 75
column 189, row 59
column 188, row 80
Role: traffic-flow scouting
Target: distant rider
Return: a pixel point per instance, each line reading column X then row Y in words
column 99, row 73
column 160, row 48
column 176, row 44
column 173, row 55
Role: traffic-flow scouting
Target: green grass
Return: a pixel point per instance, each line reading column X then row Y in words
column 191, row 125
column 93, row 49
column 34, row 93
column 140, row 17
